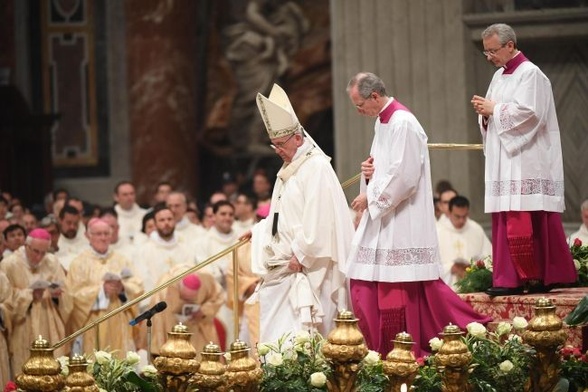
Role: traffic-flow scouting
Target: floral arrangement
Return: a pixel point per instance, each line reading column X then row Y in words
column 478, row 276
column 503, row 361
column 10, row 386
column 119, row 375
column 575, row 366
column 580, row 256
column 371, row 377
column 295, row 363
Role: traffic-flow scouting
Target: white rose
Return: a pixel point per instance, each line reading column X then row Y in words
column 519, row 323
column 506, row 366
column 318, row 379
column 577, row 264
column 302, row 337
column 435, row 344
column 372, row 358
column 515, row 338
column 149, row 370
column 476, row 329
column 102, row 357
column 64, row 362
column 290, row 355
column 503, row 328
column 133, row 358
column 262, row 349
column 275, row 359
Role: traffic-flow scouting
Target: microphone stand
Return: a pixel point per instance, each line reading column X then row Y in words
column 149, row 358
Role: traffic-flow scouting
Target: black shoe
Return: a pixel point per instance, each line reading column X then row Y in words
column 539, row 288
column 502, row 291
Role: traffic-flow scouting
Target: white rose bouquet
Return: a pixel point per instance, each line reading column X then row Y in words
column 294, row 363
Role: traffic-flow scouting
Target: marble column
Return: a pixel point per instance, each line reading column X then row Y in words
column 162, row 67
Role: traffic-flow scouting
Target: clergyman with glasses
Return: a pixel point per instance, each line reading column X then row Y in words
column 394, row 264
column 524, row 171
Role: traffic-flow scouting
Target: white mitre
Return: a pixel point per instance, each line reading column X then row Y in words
column 278, row 114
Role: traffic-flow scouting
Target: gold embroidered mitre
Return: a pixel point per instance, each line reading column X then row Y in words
column 277, row 113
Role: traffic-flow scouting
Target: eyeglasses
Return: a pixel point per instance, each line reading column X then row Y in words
column 360, row 105
column 281, row 144
column 492, row 52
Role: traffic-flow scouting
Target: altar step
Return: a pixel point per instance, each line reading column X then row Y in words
column 508, row 307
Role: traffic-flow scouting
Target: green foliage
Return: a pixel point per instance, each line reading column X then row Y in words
column 580, row 256
column 428, row 378
column 478, row 277
column 574, row 367
column 501, row 364
column 118, row 375
column 371, row 377
column 294, row 363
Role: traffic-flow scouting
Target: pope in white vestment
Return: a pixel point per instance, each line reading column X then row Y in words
column 305, row 239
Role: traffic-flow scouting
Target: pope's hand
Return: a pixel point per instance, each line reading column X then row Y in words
column 294, row 264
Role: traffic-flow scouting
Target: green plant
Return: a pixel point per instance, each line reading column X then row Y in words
column 428, row 378
column 574, row 366
column 478, row 277
column 295, row 363
column 580, row 256
column 118, row 375
column 371, row 377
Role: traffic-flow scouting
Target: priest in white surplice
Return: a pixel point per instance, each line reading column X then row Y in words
column 305, row 239
column 524, row 171
column 72, row 240
column 161, row 252
column 130, row 215
column 460, row 240
column 218, row 238
column 394, row 265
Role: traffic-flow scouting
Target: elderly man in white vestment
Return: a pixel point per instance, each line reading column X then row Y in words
column 40, row 303
column 178, row 204
column 524, row 171
column 102, row 280
column 306, row 237
column 582, row 233
column 130, row 215
column 460, row 240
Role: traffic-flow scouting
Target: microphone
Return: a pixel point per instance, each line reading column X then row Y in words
column 160, row 306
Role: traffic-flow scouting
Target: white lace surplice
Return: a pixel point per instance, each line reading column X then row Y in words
column 524, row 170
column 396, row 240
